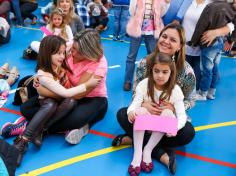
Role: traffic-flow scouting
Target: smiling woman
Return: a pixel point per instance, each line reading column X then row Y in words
column 172, row 43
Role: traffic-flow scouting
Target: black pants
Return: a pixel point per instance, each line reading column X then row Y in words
column 27, row 8
column 87, row 111
column 4, row 40
column 194, row 61
column 183, row 137
column 97, row 20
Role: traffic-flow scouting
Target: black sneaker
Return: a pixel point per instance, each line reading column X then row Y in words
column 29, row 53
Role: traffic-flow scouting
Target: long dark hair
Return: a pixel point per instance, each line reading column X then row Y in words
column 49, row 46
column 161, row 58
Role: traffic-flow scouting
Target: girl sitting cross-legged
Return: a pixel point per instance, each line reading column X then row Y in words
column 159, row 87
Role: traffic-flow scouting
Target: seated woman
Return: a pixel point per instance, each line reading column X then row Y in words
column 171, row 42
column 92, row 105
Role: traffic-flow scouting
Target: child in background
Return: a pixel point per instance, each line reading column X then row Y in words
column 160, row 87
column 51, row 66
column 46, row 11
column 98, row 15
column 56, row 26
column 121, row 16
column 145, row 23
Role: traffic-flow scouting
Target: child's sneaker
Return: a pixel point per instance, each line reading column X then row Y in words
column 9, row 129
column 75, row 136
column 211, row 94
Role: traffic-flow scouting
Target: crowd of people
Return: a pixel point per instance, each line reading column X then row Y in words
column 181, row 67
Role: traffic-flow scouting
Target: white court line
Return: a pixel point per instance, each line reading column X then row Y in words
column 114, row 66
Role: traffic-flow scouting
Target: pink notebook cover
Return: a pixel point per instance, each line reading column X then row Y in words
column 45, row 31
column 156, row 123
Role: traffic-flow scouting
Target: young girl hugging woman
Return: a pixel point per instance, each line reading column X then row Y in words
column 159, row 87
column 56, row 26
column 51, row 64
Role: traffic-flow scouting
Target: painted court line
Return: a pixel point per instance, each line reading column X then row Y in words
column 206, row 159
column 103, row 38
column 73, row 160
column 112, row 149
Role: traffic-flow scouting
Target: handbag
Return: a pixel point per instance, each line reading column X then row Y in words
column 25, row 90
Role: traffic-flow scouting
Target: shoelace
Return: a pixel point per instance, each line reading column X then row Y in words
column 18, row 129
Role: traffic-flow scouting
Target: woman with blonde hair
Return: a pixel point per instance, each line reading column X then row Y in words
column 73, row 20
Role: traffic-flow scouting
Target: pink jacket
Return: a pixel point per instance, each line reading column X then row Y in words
column 137, row 8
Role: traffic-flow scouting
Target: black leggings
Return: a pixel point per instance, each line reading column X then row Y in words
column 183, row 137
column 88, row 110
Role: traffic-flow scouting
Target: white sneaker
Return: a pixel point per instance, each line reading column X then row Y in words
column 200, row 97
column 75, row 136
column 211, row 94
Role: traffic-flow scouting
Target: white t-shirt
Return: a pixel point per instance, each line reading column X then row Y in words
column 189, row 24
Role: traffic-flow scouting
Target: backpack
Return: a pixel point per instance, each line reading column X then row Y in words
column 25, row 90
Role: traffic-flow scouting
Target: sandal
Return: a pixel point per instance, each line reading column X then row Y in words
column 4, row 70
column 13, row 76
column 117, row 141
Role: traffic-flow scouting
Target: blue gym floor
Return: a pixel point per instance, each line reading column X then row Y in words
column 211, row 153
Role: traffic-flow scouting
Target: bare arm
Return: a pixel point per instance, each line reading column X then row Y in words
column 209, row 36
column 85, row 77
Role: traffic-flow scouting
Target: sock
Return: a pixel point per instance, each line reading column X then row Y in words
column 138, row 145
column 153, row 141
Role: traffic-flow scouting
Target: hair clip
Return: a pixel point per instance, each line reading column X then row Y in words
column 173, row 58
column 60, row 10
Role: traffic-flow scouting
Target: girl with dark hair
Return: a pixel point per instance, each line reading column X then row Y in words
column 172, row 43
column 51, row 65
column 160, row 86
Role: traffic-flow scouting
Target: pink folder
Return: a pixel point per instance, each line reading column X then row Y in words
column 156, row 123
column 45, row 31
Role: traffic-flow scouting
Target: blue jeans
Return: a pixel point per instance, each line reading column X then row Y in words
column 121, row 15
column 150, row 43
column 210, row 59
column 17, row 12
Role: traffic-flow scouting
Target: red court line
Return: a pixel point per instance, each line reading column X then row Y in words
column 209, row 160
column 102, row 134
column 10, row 111
column 185, row 154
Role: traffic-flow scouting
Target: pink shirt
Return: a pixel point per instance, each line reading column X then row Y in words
column 96, row 68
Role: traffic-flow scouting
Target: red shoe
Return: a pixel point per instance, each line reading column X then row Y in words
column 147, row 167
column 134, row 171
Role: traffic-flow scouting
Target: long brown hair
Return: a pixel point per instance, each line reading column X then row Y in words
column 179, row 56
column 49, row 46
column 161, row 58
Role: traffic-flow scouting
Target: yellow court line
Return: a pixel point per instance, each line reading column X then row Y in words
column 216, row 125
column 105, row 151
column 73, row 160
column 37, row 29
